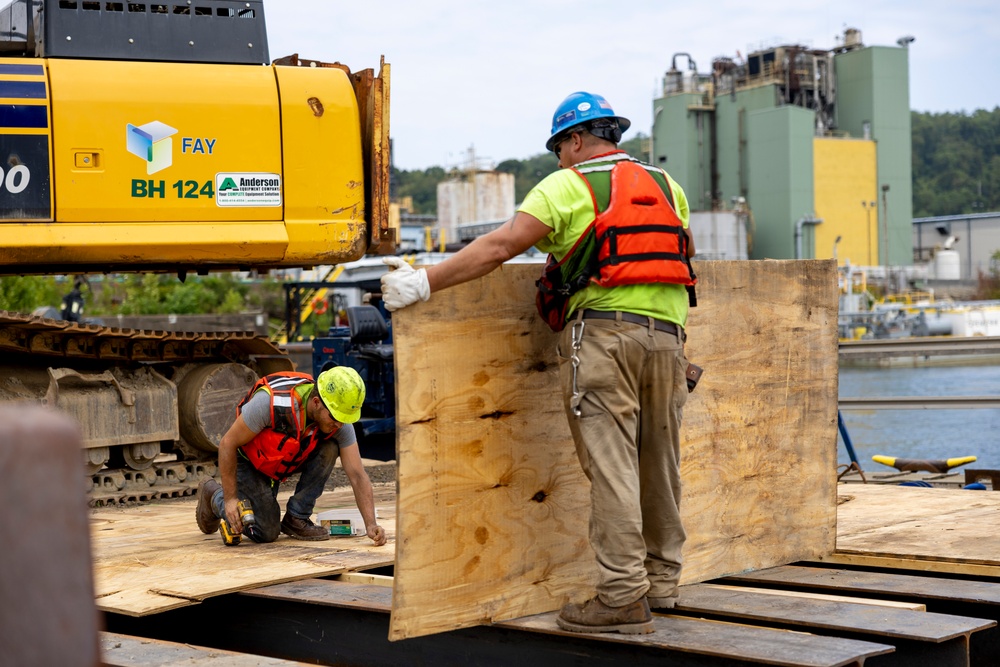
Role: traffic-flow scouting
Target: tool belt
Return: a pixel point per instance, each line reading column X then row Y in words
column 659, row 325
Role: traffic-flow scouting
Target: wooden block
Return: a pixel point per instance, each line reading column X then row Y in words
column 365, row 578
column 492, row 504
column 47, row 614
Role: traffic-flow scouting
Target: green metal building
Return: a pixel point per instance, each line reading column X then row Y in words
column 815, row 142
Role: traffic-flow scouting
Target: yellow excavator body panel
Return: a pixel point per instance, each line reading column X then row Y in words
column 124, row 165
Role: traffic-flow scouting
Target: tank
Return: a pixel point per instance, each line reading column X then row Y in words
column 947, row 266
column 719, row 235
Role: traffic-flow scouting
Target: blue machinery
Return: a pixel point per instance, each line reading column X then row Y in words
column 365, row 345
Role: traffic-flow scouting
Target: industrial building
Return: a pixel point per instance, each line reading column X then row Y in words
column 813, row 143
column 974, row 238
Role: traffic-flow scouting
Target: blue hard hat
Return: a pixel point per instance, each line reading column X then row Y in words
column 581, row 108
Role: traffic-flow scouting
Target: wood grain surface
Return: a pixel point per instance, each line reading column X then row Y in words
column 492, row 506
column 945, row 525
column 153, row 558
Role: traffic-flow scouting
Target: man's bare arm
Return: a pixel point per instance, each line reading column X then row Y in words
column 350, row 458
column 488, row 252
column 238, row 435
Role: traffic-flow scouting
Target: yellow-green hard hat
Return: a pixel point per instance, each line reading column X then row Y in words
column 342, row 391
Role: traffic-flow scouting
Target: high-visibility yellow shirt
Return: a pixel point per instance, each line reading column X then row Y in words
column 562, row 201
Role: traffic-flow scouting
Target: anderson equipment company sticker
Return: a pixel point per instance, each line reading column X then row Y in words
column 248, row 189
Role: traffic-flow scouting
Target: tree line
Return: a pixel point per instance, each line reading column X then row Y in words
column 956, row 166
column 422, row 184
column 956, row 163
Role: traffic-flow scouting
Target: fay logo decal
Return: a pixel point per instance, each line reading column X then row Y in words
column 153, row 143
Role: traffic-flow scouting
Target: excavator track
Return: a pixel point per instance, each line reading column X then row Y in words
column 169, row 479
column 26, row 334
column 151, row 404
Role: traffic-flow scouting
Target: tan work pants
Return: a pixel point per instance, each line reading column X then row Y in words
column 631, row 388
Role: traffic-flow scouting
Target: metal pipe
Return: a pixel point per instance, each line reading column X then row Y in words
column 798, row 232
column 917, row 402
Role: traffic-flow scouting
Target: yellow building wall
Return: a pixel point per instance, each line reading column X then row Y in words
column 845, row 192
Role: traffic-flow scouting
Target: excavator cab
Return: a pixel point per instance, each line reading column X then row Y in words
column 159, row 136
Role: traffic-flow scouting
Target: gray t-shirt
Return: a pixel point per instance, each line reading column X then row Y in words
column 257, row 416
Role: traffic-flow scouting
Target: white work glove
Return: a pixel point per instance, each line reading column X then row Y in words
column 403, row 286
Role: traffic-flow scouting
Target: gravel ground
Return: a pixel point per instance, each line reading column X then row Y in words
column 378, row 472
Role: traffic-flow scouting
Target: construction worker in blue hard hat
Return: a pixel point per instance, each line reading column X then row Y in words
column 617, row 285
column 289, row 423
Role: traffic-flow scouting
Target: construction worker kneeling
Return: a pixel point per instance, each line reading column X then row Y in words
column 287, row 423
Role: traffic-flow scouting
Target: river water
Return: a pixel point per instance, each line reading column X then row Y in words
column 936, row 433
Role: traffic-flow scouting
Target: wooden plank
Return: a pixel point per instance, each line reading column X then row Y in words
column 728, row 641
column 828, row 614
column 492, row 504
column 330, row 593
column 118, row 650
column 365, row 578
column 673, row 633
column 947, row 525
column 909, row 564
column 856, row 581
column 912, row 606
column 152, row 558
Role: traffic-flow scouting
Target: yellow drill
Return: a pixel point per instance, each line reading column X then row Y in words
column 231, row 538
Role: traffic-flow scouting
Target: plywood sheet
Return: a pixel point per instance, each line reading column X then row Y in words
column 153, row 558
column 948, row 525
column 760, row 432
column 492, row 504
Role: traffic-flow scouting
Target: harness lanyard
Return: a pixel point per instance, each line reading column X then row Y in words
column 577, row 333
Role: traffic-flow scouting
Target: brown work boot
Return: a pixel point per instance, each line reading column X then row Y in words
column 595, row 616
column 303, row 529
column 662, row 604
column 207, row 521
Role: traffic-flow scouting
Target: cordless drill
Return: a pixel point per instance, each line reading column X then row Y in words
column 231, row 538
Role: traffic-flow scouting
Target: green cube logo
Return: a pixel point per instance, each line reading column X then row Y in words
column 152, row 142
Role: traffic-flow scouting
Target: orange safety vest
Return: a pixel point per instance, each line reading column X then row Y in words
column 640, row 238
column 278, row 451
column 637, row 238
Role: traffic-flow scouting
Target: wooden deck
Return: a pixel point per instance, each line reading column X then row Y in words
column 809, row 613
column 153, row 558
column 939, row 530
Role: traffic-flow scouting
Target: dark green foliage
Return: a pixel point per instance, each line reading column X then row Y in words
column 527, row 173
column 22, row 294
column 956, row 163
column 988, row 288
column 147, row 294
column 422, row 185
column 155, row 294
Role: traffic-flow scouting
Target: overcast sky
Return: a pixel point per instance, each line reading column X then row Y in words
column 490, row 74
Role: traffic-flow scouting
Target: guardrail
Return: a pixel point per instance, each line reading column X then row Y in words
column 918, row 347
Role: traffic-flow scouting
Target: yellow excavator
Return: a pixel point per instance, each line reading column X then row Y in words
column 140, row 136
